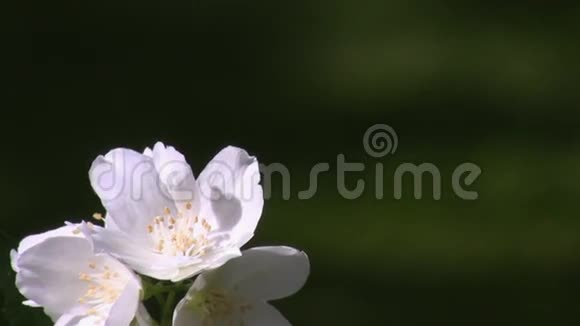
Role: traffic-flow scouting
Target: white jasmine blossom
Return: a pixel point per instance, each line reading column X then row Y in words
column 238, row 292
column 165, row 224
column 60, row 271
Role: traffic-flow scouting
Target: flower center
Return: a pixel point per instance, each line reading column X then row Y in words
column 215, row 305
column 180, row 234
column 104, row 288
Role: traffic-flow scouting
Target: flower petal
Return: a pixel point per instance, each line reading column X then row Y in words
column 231, row 196
column 262, row 273
column 142, row 318
column 32, row 304
column 263, row 314
column 137, row 255
column 33, row 240
column 210, row 261
column 176, row 176
column 13, row 260
column 124, row 309
column 69, row 320
column 48, row 273
column 184, row 316
column 255, row 314
column 128, row 185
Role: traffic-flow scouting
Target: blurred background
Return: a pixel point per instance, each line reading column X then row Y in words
column 489, row 82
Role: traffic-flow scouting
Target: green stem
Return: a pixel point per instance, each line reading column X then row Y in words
column 166, row 317
column 153, row 290
column 160, row 301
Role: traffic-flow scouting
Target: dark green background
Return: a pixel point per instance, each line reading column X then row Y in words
column 298, row 82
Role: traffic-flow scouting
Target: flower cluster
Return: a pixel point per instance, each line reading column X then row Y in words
column 165, row 233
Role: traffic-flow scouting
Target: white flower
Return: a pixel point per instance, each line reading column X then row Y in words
column 167, row 225
column 60, row 271
column 237, row 293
